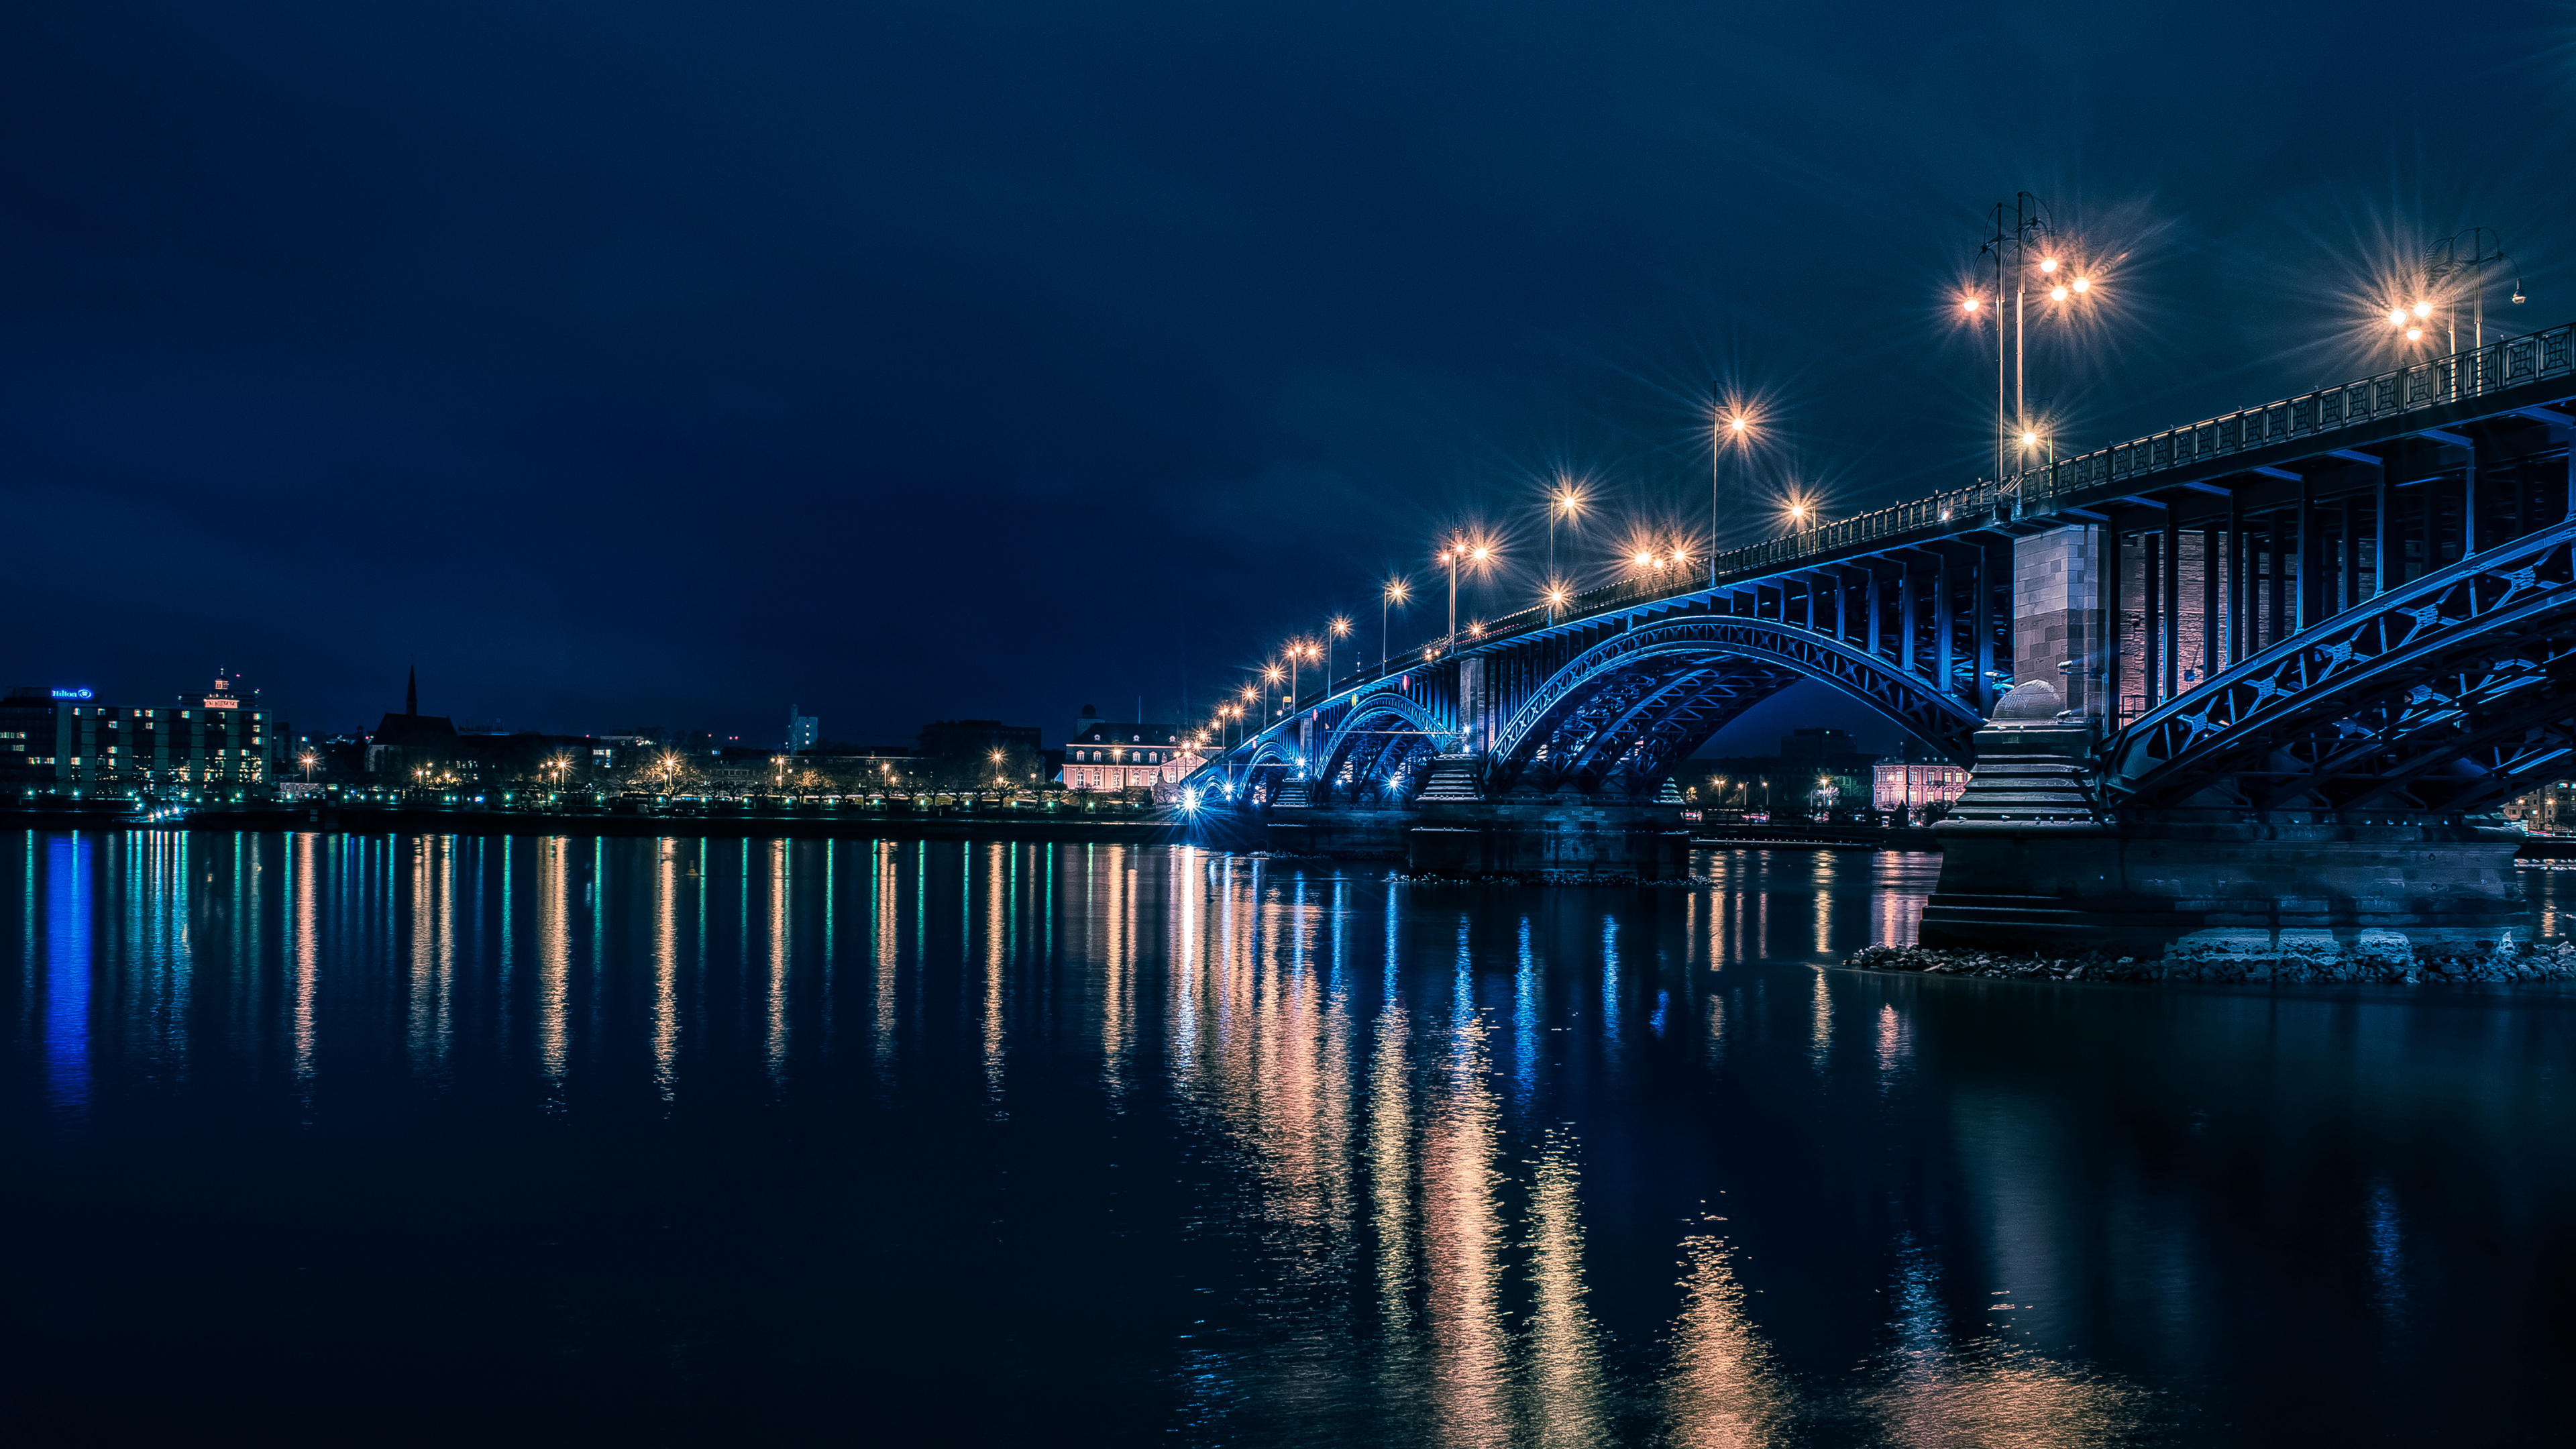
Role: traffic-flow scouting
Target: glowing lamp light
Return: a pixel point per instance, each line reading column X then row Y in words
column 2029, row 439
column 2423, row 309
column 1968, row 304
column 2396, row 316
column 2048, row 264
column 1645, row 560
column 2414, row 334
column 2083, row 284
column 2057, row 294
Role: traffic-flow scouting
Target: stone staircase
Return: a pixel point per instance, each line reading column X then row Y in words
column 1452, row 782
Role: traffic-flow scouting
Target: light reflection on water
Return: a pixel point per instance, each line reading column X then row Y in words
column 1353, row 1160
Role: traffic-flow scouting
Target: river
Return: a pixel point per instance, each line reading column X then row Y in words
column 332, row 1139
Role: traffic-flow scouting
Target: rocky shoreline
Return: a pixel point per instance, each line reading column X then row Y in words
column 2382, row 957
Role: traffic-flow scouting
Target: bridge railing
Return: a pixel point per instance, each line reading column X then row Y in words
column 2458, row 377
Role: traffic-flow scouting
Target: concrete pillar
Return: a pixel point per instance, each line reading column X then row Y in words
column 1475, row 725
column 2057, row 614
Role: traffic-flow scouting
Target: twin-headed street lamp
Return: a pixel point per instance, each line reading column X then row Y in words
column 2019, row 225
column 2470, row 252
column 1461, row 552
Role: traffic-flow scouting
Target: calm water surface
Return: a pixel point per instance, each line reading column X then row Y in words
column 338, row 1139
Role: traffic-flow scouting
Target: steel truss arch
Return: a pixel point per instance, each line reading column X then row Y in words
column 2454, row 690
column 1671, row 649
column 1354, row 728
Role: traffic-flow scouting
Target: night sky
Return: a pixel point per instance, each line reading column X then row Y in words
column 653, row 364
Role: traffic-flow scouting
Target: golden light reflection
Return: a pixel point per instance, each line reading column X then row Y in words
column 1820, row 1045
column 885, row 925
column 1821, row 881
column 666, row 971
column 1895, row 1045
column 1114, row 914
column 308, row 949
column 780, row 885
column 1988, row 1394
column 996, row 943
column 1462, row 1245
column 1566, row 1387
column 1391, row 1185
column 1723, row 1390
column 554, row 962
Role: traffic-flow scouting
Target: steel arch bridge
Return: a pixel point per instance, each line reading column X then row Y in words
column 2361, row 598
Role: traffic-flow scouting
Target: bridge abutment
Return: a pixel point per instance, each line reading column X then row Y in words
column 2031, row 860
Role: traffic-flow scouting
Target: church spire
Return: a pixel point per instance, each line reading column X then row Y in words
column 411, row 691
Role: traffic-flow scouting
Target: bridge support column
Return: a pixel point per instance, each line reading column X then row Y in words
column 2031, row 861
column 1475, row 727
column 2057, row 616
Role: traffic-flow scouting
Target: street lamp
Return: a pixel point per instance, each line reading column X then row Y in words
column 307, row 762
column 1458, row 553
column 1397, row 591
column 2443, row 260
column 1299, row 650
column 2028, row 219
column 1339, row 627
column 1568, row 501
column 1732, row 429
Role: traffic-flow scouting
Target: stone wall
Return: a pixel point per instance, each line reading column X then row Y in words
column 2057, row 613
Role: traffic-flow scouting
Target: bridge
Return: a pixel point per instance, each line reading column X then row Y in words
column 2345, row 611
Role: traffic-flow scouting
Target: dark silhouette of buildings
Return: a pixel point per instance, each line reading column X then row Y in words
column 408, row 743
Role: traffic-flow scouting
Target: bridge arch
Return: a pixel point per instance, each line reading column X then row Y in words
column 1378, row 747
column 1618, row 715
column 2447, row 693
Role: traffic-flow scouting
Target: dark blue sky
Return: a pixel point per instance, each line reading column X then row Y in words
column 667, row 364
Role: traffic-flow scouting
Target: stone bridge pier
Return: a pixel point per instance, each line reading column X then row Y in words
column 2032, row 860
column 2318, row 788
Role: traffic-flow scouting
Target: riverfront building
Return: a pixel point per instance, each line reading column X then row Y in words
column 213, row 740
column 1107, row 755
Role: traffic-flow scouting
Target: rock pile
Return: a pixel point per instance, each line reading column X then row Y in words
column 2379, row 956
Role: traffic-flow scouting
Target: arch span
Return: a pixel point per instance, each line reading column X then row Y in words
column 1622, row 712
column 1378, row 745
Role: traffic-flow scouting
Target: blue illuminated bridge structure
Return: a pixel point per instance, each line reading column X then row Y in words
column 2360, row 596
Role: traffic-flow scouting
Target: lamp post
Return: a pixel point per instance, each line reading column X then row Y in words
column 307, row 763
column 1337, row 628
column 1566, row 500
column 2017, row 222
column 1453, row 556
column 1397, row 591
column 2443, row 260
column 1729, row 430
